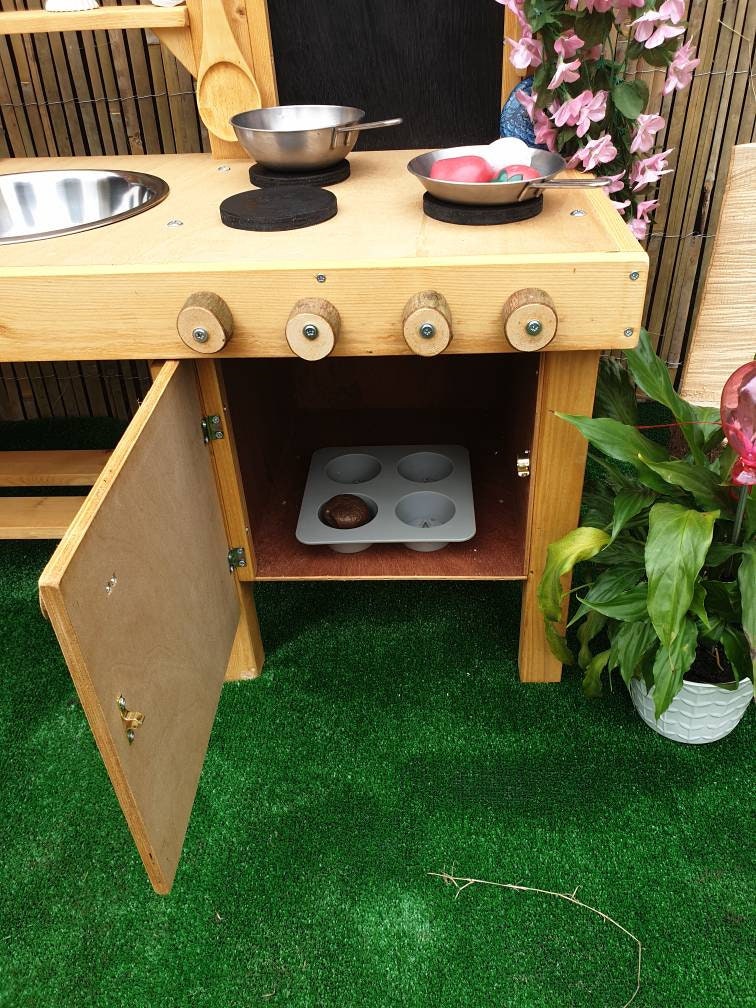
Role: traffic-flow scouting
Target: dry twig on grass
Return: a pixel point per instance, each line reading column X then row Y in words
column 463, row 883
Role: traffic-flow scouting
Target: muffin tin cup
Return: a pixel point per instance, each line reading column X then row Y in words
column 422, row 496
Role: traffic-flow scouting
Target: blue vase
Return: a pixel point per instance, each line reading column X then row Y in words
column 515, row 121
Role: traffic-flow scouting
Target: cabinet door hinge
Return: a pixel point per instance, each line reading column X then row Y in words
column 236, row 558
column 523, row 464
column 212, row 428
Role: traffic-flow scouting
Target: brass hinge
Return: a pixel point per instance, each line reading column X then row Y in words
column 523, row 464
column 236, row 558
column 212, row 428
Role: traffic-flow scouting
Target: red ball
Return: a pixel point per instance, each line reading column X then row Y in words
column 463, row 169
column 528, row 173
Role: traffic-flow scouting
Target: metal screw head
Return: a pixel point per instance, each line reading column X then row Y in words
column 628, row 333
column 200, row 335
column 320, row 278
column 427, row 330
column 242, row 562
column 533, row 327
column 310, row 331
column 577, row 213
column 130, row 735
column 175, row 223
column 635, row 275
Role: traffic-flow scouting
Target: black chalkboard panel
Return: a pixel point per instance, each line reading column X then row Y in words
column 435, row 63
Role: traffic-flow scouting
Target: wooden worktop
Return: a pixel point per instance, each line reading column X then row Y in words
column 380, row 220
column 96, row 284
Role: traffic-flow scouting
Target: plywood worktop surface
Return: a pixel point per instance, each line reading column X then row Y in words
column 380, row 221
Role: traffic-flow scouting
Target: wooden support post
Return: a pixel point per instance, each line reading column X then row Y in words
column 247, row 654
column 510, row 77
column 566, row 383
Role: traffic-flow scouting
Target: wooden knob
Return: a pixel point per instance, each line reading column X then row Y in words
column 205, row 323
column 530, row 319
column 313, row 328
column 427, row 323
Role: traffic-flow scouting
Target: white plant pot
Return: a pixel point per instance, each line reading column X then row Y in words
column 699, row 713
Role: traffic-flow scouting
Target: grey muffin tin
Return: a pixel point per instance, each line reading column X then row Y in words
column 420, row 495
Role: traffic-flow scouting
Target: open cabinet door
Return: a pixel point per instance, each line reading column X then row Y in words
column 144, row 607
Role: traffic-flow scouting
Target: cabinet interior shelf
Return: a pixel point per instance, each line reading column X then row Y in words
column 31, row 22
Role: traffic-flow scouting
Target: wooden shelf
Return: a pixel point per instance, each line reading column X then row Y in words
column 50, row 468
column 284, row 410
column 32, row 22
column 37, row 517
column 496, row 553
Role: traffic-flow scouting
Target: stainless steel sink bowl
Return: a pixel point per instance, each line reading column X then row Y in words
column 47, row 204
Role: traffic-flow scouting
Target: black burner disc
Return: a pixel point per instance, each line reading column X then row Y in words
column 278, row 209
column 264, row 177
column 467, row 213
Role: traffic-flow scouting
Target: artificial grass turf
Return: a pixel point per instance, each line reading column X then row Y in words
column 388, row 737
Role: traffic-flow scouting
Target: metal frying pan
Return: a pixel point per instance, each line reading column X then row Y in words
column 496, row 193
column 301, row 137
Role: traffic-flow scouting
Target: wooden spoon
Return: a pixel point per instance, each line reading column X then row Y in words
column 225, row 84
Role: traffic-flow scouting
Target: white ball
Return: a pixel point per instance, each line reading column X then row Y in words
column 508, row 151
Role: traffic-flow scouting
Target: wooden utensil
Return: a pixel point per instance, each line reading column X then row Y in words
column 225, row 84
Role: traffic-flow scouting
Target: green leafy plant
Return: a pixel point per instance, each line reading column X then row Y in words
column 664, row 580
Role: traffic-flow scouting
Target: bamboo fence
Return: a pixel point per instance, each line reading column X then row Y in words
column 120, row 92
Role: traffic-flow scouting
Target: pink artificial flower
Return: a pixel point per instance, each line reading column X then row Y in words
column 527, row 101
column 681, row 69
column 526, row 52
column 649, row 170
column 616, row 183
column 582, row 111
column 623, row 5
column 639, row 224
column 595, row 52
column 639, row 229
column 598, row 6
column 565, row 73
column 568, row 44
column 517, row 8
column 619, row 207
column 544, row 130
column 652, row 31
column 672, row 10
column 645, row 208
column 595, row 152
column 647, row 126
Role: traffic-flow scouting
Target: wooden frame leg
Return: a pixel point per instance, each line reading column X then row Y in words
column 567, row 383
column 247, row 654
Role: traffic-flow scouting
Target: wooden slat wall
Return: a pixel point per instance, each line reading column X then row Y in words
column 120, row 92
column 704, row 123
column 113, row 92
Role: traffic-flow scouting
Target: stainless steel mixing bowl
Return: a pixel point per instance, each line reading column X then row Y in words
column 301, row 137
column 496, row 193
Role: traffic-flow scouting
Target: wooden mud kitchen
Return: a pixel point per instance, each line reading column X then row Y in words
column 378, row 326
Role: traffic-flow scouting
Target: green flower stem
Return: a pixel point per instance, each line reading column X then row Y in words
column 739, row 514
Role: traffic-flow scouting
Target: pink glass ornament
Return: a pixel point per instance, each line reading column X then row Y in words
column 738, row 412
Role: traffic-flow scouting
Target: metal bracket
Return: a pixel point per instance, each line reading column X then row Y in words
column 523, row 464
column 236, row 558
column 212, row 428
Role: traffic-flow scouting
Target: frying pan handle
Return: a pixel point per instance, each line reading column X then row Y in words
column 366, row 126
column 573, row 183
